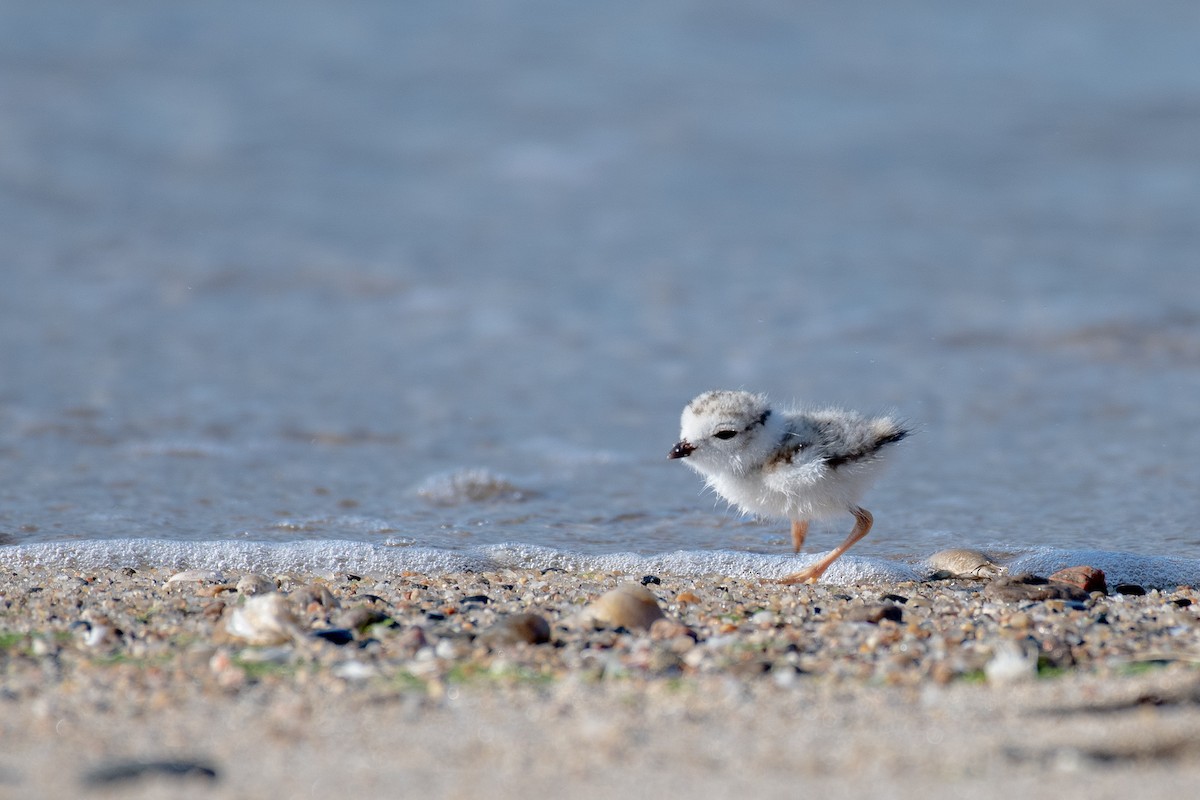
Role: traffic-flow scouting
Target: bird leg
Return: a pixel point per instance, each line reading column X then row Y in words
column 799, row 531
column 862, row 525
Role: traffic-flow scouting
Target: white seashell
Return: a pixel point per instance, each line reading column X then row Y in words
column 964, row 563
column 630, row 605
column 196, row 576
column 265, row 619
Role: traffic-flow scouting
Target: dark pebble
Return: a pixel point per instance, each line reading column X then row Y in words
column 131, row 770
column 1017, row 588
column 435, row 616
column 482, row 599
column 649, row 579
column 895, row 598
column 875, row 614
column 1182, row 602
column 1129, row 588
column 338, row 636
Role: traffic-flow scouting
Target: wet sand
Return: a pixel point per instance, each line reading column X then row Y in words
column 123, row 683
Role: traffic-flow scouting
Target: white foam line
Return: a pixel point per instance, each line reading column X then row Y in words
column 333, row 556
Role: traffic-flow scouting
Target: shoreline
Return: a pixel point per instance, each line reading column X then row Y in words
column 448, row 682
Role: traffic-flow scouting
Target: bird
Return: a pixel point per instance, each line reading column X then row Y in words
column 792, row 463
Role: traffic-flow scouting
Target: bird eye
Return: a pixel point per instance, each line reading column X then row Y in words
column 725, row 434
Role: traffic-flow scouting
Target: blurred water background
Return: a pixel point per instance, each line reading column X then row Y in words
column 430, row 279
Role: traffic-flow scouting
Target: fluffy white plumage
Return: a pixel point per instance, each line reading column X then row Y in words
column 796, row 464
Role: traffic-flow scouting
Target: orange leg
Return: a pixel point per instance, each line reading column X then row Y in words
column 799, row 531
column 862, row 525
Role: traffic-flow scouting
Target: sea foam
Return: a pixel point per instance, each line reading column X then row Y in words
column 334, row 556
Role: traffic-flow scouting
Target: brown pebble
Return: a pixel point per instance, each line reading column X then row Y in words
column 664, row 629
column 1089, row 579
column 361, row 617
column 686, row 597
column 516, row 629
column 1017, row 588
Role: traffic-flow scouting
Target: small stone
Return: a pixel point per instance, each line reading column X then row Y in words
column 875, row 614
column 629, row 606
column 481, row 599
column 651, row 579
column 1089, row 579
column 1130, row 589
column 338, row 636
column 686, row 597
column 516, row 629
column 361, row 617
column 1019, row 588
column 964, row 563
column 667, row 629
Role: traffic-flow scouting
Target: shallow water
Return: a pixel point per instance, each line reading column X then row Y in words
column 271, row 274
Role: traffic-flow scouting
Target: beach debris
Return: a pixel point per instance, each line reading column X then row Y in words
column 264, row 620
column 1089, row 579
column 253, row 583
column 124, row 771
column 630, row 606
column 516, row 629
column 472, row 485
column 1017, row 588
column 196, row 576
column 961, row 562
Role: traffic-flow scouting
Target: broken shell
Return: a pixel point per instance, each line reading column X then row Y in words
column 264, row 619
column 630, row 605
column 964, row 563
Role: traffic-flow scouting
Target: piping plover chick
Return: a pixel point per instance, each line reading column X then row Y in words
column 801, row 465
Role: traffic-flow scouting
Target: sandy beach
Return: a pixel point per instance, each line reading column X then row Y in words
column 140, row 683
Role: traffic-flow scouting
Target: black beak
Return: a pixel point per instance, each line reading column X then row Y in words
column 682, row 449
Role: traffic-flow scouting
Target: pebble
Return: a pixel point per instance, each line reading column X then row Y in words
column 1029, row 587
column 1089, row 579
column 516, row 629
column 630, row 606
column 875, row 613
